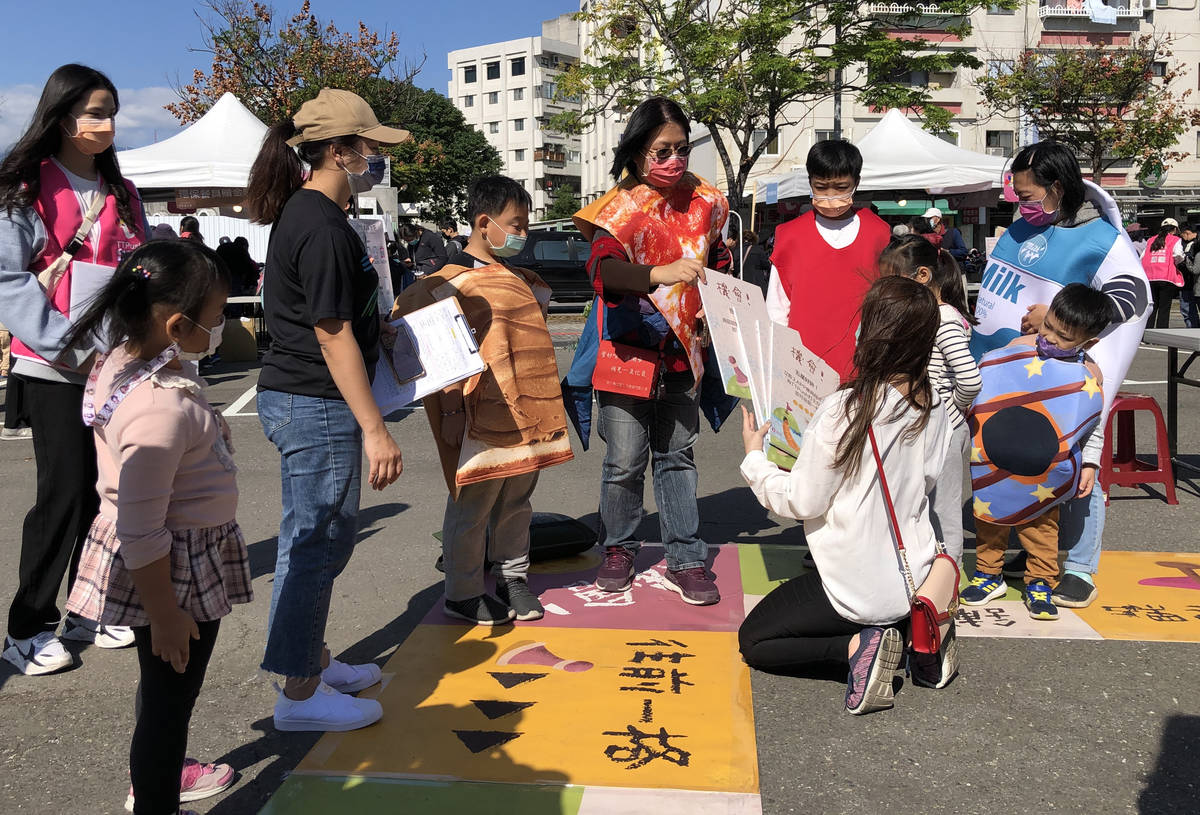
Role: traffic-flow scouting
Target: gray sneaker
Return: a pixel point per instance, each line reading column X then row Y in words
column 515, row 593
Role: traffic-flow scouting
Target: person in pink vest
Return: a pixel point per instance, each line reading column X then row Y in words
column 1159, row 261
column 825, row 260
column 62, row 169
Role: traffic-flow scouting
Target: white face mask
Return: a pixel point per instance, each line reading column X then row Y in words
column 214, row 340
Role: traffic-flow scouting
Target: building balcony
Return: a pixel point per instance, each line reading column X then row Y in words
column 1087, row 8
column 904, row 9
column 551, row 157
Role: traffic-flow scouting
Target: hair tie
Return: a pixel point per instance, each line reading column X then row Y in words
column 142, row 270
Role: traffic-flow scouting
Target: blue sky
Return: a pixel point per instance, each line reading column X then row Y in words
column 143, row 46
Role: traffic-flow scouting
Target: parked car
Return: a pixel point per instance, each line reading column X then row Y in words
column 559, row 258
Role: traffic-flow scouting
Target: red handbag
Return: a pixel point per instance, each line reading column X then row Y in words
column 934, row 603
column 622, row 368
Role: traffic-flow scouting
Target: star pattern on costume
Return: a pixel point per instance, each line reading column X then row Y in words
column 1091, row 386
column 983, row 509
column 976, row 455
column 1034, row 366
column 1042, row 493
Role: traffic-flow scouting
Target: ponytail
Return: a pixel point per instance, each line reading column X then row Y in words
column 279, row 170
column 277, row 174
column 1160, row 240
column 948, row 282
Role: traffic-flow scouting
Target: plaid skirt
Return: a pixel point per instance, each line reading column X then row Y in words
column 210, row 571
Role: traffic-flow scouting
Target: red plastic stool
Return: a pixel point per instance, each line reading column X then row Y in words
column 1126, row 469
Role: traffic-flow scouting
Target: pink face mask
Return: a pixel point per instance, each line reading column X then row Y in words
column 1035, row 214
column 666, row 173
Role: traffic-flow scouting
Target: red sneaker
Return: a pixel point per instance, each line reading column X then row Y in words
column 694, row 586
column 616, row 572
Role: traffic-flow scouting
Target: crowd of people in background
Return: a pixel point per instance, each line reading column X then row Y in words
column 137, row 496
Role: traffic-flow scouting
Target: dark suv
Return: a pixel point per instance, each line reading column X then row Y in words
column 559, row 258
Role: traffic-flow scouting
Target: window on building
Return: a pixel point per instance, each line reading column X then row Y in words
column 760, row 136
column 493, row 127
column 999, row 67
column 518, row 125
column 518, row 94
column 950, row 136
column 999, row 142
column 824, row 135
column 994, row 9
column 1161, row 3
column 573, row 156
column 493, row 70
column 516, row 66
column 1158, row 69
column 519, row 155
column 468, row 74
column 469, row 100
column 493, row 97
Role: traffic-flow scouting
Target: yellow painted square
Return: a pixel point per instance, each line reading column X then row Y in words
column 1147, row 596
column 575, row 728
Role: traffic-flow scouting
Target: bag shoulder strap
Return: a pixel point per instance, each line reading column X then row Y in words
column 891, row 511
column 50, row 276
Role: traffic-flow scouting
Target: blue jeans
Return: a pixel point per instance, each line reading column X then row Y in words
column 320, row 449
column 635, row 430
column 1080, row 530
column 1188, row 308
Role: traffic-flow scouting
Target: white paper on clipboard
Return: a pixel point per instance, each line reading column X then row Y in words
column 87, row 281
column 447, row 350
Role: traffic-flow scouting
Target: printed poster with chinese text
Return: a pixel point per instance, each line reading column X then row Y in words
column 736, row 314
column 800, row 380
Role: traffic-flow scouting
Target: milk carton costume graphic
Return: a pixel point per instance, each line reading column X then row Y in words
column 1032, row 264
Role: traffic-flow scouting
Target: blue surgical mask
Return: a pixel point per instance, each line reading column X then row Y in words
column 513, row 244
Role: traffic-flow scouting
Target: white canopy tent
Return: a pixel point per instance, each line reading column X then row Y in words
column 899, row 155
column 216, row 151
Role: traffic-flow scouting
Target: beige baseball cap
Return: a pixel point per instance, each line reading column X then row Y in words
column 932, row 212
column 1169, row 222
column 341, row 113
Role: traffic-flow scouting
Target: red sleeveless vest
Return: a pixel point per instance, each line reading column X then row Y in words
column 59, row 208
column 825, row 286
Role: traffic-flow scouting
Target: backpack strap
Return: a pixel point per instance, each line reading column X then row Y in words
column 52, row 274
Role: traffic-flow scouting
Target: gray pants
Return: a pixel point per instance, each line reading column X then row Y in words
column 501, row 505
column 952, row 488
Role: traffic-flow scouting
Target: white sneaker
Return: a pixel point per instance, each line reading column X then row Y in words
column 350, row 678
column 102, row 636
column 41, row 654
column 326, row 710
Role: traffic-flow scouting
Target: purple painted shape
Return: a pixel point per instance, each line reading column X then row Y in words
column 648, row 606
column 1190, row 581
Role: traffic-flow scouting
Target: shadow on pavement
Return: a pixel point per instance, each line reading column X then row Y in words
column 1173, row 786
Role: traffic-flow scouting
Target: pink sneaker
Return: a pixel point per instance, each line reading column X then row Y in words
column 198, row 781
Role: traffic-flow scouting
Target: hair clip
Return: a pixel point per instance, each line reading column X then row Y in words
column 142, row 270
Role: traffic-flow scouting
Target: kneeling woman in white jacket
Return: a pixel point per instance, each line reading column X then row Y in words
column 846, row 611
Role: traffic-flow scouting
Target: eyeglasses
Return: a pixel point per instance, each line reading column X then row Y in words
column 664, row 153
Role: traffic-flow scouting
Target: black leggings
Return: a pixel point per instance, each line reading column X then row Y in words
column 795, row 626
column 164, row 710
column 1163, row 293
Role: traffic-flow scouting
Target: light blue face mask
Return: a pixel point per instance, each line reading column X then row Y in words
column 513, row 244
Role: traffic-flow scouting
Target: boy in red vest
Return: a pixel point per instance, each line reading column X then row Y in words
column 825, row 260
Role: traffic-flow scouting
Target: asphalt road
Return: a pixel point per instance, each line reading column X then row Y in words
column 1029, row 726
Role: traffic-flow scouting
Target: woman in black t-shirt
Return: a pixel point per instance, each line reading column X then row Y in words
column 314, row 391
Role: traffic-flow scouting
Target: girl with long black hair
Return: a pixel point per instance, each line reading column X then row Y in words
column 62, row 202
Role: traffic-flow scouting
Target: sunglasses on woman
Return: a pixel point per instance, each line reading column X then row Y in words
column 664, row 153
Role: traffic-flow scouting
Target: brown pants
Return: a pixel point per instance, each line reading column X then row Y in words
column 1038, row 537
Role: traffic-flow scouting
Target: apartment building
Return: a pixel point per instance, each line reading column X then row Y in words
column 997, row 35
column 508, row 91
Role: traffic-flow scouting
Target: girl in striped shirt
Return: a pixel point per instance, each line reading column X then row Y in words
column 952, row 371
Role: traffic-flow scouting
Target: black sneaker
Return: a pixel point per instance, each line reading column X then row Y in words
column 1016, row 566
column 515, row 592
column 1074, row 592
column 481, row 610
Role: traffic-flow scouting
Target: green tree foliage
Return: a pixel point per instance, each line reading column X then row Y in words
column 743, row 66
column 1107, row 104
column 564, row 204
column 275, row 67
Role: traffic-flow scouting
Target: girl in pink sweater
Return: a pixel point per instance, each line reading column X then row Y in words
column 165, row 554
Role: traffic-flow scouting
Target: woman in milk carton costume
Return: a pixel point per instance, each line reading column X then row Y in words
column 1069, row 232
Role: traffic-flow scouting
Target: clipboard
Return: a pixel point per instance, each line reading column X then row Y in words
column 435, row 347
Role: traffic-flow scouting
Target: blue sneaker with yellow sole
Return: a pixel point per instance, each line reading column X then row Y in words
column 1038, row 602
column 982, row 588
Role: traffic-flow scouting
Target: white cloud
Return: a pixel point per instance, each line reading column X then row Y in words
column 142, row 119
